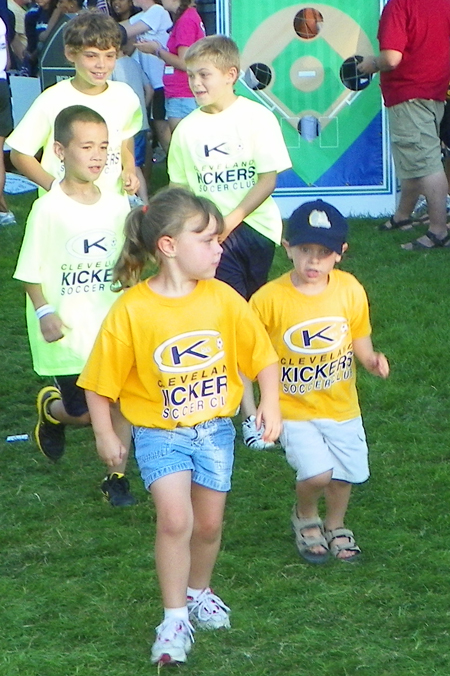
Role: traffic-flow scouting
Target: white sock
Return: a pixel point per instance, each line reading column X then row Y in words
column 178, row 613
column 194, row 593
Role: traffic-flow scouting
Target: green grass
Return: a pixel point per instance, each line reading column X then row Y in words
column 79, row 595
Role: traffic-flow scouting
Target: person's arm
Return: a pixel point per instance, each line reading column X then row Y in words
column 129, row 178
column 268, row 411
column 154, row 47
column 109, row 447
column 375, row 362
column 50, row 324
column 29, row 167
column 55, row 17
column 148, row 94
column 387, row 60
column 134, row 29
column 262, row 189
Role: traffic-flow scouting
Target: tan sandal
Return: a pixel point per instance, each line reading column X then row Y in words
column 305, row 543
column 348, row 545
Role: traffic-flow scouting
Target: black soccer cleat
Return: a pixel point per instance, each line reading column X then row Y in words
column 49, row 432
column 116, row 489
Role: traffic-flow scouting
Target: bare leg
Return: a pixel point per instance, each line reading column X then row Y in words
column 3, row 205
column 208, row 506
column 173, row 122
column 163, row 133
column 337, row 495
column 172, row 497
column 248, row 405
column 308, row 494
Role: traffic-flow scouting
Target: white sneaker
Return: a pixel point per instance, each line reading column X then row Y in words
column 7, row 218
column 208, row 611
column 174, row 639
column 253, row 437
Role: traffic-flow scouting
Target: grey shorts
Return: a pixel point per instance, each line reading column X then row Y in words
column 414, row 132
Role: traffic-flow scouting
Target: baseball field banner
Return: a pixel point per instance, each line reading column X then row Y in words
column 300, row 60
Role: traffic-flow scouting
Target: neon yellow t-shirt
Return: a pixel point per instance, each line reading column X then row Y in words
column 312, row 336
column 219, row 156
column 176, row 361
column 118, row 105
column 70, row 249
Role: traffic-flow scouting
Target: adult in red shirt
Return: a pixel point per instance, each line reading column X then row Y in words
column 414, row 65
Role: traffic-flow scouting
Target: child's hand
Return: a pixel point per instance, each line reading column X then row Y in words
column 130, row 182
column 110, row 449
column 148, row 47
column 51, row 327
column 378, row 365
column 270, row 417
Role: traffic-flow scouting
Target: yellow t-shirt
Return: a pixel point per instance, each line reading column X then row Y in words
column 70, row 249
column 312, row 336
column 220, row 156
column 118, row 105
column 176, row 361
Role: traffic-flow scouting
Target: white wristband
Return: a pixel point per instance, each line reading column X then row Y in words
column 45, row 310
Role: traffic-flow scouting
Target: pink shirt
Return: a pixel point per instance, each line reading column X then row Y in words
column 421, row 32
column 186, row 30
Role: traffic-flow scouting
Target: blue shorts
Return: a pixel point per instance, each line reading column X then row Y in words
column 140, row 142
column 207, row 450
column 181, row 107
column 246, row 259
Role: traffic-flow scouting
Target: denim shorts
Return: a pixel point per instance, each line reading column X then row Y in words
column 317, row 446
column 207, row 450
column 181, row 107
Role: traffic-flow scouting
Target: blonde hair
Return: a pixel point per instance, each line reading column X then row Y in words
column 220, row 50
column 166, row 214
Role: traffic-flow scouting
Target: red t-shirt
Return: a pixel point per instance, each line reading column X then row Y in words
column 421, row 32
column 186, row 30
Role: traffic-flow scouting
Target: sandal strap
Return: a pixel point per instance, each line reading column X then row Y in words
column 337, row 547
column 436, row 241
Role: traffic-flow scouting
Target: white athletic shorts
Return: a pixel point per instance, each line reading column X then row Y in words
column 316, row 446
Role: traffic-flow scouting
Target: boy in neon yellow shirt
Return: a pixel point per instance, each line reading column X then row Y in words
column 92, row 42
column 72, row 240
column 318, row 321
column 230, row 150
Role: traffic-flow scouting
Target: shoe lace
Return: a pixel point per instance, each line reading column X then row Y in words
column 169, row 629
column 208, row 604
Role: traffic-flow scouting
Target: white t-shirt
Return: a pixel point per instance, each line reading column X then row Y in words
column 220, row 156
column 70, row 249
column 159, row 22
column 118, row 105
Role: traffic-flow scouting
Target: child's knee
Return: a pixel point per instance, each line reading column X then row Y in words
column 317, row 481
column 208, row 528
column 177, row 524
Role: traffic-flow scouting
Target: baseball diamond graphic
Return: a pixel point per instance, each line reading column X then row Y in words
column 300, row 60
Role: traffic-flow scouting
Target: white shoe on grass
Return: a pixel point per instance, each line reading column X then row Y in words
column 174, row 639
column 208, row 611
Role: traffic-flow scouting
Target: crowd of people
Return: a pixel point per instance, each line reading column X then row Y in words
column 163, row 362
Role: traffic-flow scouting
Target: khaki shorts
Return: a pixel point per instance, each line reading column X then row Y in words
column 414, row 132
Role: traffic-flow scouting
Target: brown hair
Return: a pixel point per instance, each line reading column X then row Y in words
column 220, row 50
column 67, row 116
column 92, row 29
column 166, row 214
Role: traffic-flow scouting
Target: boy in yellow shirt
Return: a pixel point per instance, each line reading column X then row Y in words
column 318, row 321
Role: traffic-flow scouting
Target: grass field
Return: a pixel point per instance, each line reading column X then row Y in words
column 78, row 589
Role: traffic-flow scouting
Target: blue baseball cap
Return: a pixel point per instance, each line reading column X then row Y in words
column 317, row 223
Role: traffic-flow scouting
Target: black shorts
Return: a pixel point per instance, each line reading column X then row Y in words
column 246, row 259
column 73, row 397
column 6, row 121
column 158, row 105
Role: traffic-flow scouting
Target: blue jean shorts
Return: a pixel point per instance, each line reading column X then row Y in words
column 181, row 107
column 207, row 450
